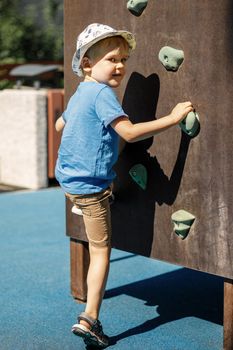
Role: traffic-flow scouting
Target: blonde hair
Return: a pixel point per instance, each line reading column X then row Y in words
column 97, row 50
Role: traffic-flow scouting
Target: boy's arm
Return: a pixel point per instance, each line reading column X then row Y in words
column 60, row 123
column 140, row 131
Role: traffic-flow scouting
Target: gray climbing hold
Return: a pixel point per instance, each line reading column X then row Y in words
column 136, row 7
column 171, row 58
column 182, row 221
column 191, row 124
column 139, row 174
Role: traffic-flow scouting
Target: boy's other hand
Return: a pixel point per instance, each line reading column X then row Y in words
column 180, row 111
column 60, row 123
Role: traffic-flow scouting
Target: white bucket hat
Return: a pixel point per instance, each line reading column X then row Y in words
column 91, row 35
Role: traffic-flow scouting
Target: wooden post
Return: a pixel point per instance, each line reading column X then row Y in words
column 228, row 314
column 79, row 262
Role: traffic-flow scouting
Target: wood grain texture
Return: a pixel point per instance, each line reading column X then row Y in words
column 194, row 175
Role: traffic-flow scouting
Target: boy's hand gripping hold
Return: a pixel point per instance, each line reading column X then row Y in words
column 180, row 111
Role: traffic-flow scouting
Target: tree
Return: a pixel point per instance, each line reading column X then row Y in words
column 31, row 30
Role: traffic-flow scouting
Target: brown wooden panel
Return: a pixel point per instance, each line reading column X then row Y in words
column 195, row 175
column 228, row 315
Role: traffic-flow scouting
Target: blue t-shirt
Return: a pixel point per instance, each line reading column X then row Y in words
column 89, row 145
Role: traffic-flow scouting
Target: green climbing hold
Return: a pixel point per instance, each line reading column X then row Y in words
column 139, row 174
column 136, row 7
column 182, row 221
column 171, row 58
column 191, row 124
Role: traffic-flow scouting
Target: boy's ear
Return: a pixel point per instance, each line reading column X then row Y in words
column 86, row 64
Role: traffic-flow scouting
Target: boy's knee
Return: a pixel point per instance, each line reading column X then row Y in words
column 100, row 244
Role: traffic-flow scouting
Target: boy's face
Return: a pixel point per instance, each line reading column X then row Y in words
column 109, row 66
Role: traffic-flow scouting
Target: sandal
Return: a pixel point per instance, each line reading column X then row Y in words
column 92, row 336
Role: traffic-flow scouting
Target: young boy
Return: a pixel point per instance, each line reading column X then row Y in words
column 94, row 120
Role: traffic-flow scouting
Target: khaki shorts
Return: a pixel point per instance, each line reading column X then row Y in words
column 96, row 215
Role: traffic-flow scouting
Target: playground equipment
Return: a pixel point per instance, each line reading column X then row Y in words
column 191, row 124
column 136, row 7
column 171, row 58
column 183, row 173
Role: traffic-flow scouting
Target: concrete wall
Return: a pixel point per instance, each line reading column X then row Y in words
column 23, row 138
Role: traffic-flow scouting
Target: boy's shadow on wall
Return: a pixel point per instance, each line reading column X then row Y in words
column 133, row 211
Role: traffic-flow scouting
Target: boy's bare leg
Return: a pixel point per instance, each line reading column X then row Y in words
column 96, row 279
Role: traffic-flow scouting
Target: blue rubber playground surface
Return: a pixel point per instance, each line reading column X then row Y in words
column 149, row 305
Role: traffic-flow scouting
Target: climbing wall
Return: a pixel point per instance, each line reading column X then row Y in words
column 188, row 175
